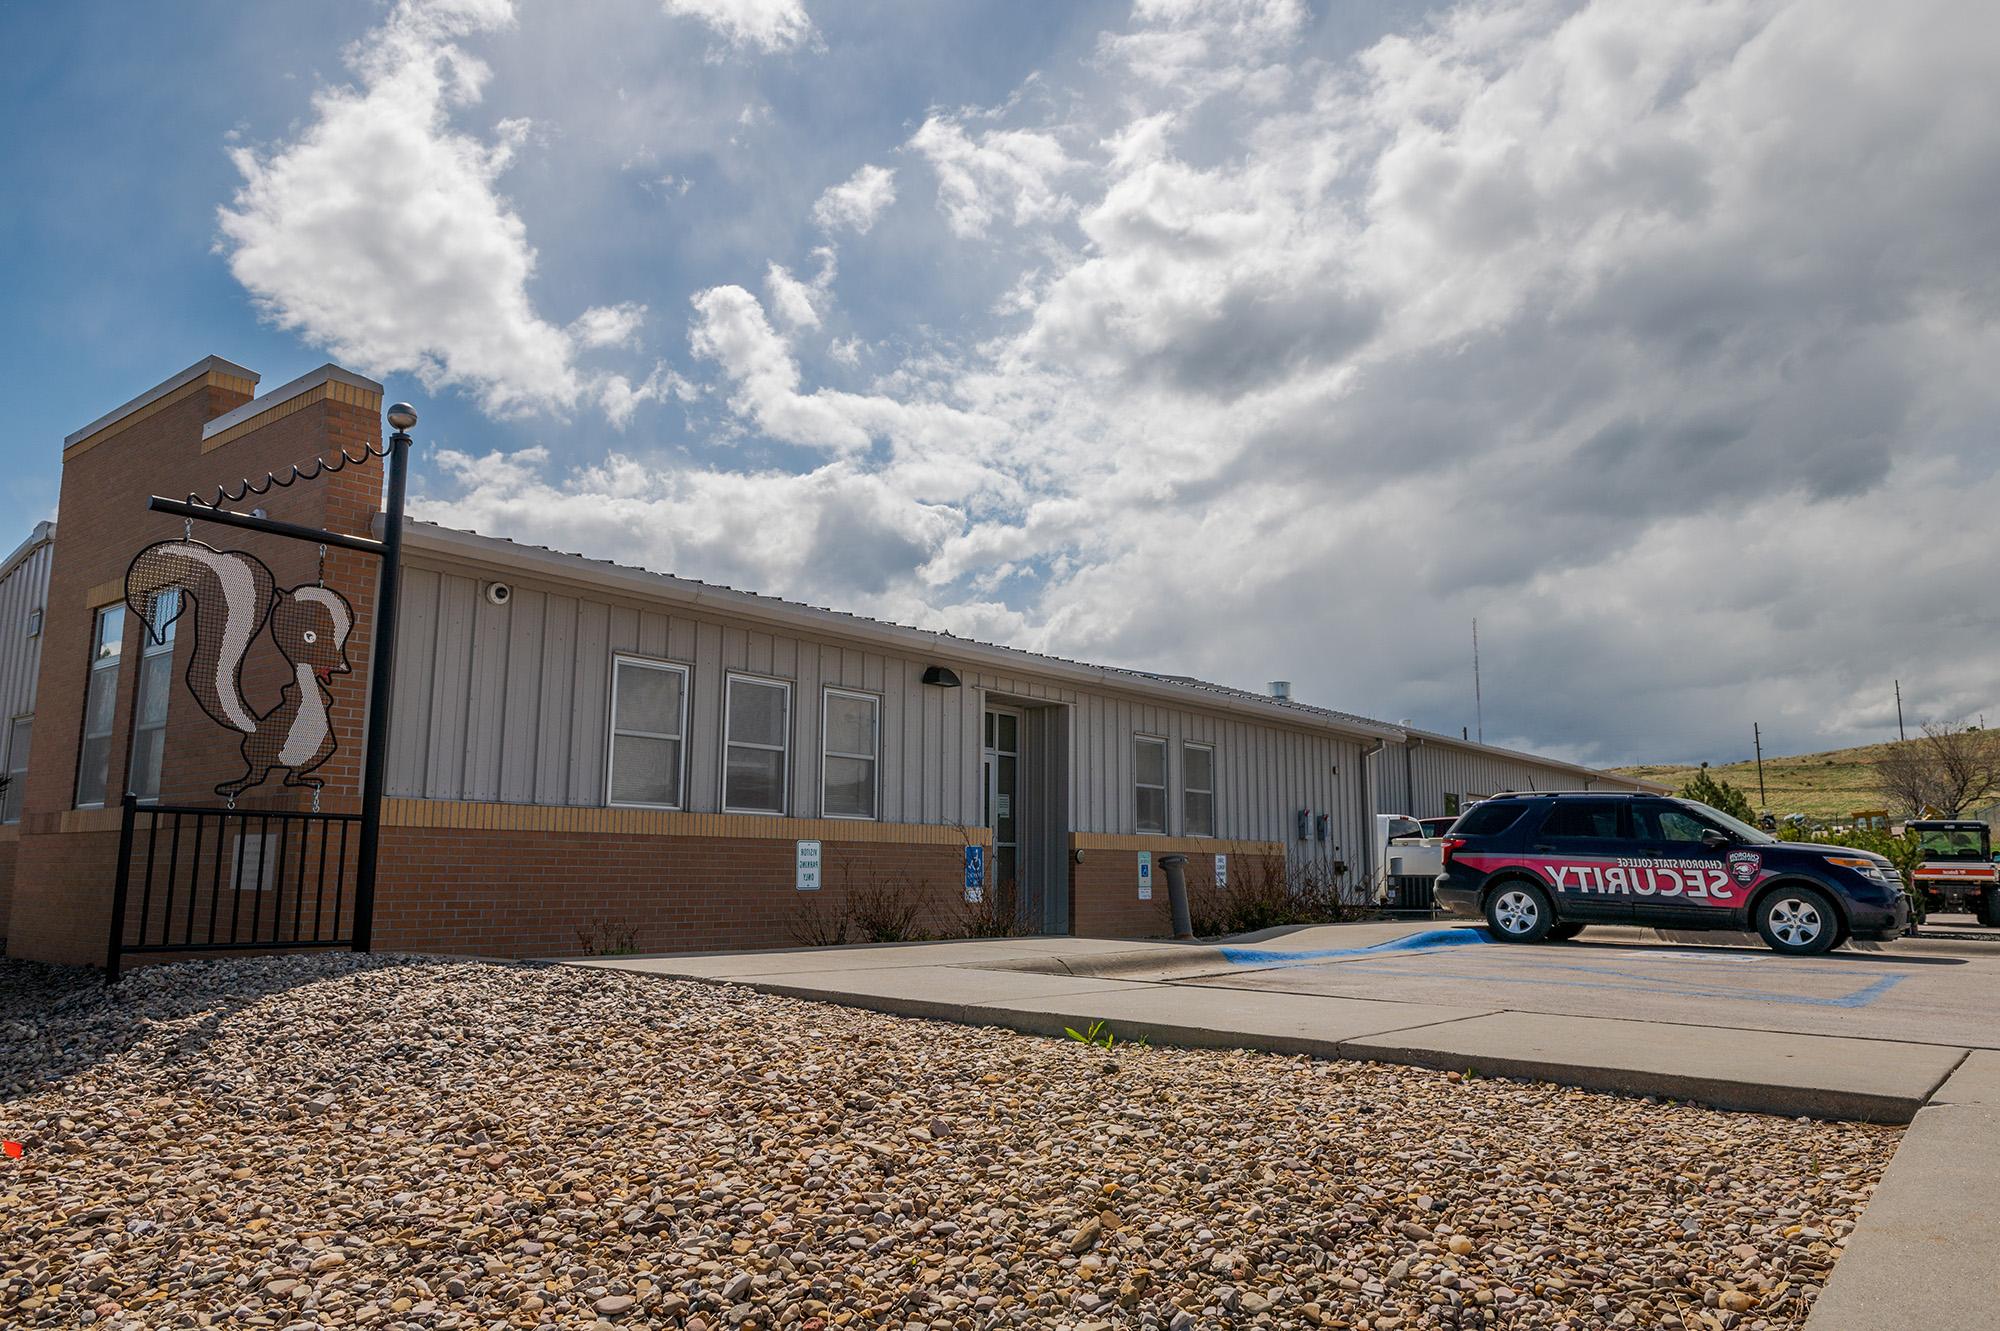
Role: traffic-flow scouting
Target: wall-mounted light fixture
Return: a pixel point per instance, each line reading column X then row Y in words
column 942, row 676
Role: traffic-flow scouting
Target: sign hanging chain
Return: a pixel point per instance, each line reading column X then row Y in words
column 322, row 563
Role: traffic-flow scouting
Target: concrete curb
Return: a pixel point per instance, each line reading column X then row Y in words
column 1922, row 1254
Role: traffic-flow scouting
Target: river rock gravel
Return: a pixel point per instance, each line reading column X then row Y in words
column 336, row 1141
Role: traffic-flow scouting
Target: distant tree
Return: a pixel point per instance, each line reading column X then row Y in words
column 1719, row 794
column 1952, row 770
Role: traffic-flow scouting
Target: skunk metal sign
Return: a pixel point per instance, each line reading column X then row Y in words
column 234, row 598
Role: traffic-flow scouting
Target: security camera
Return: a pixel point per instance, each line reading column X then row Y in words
column 498, row 593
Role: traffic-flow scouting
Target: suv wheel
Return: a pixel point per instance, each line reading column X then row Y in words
column 1798, row 921
column 1989, row 908
column 1520, row 913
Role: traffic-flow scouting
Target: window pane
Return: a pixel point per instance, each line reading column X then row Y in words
column 100, row 701
column 165, row 606
column 17, row 767
column 755, row 780
column 110, row 633
column 756, row 713
column 1152, row 809
column 645, row 771
column 648, row 699
column 1009, row 739
column 146, row 749
column 1200, row 768
column 1152, row 763
column 850, row 724
column 1582, row 818
column 850, row 788
column 156, row 677
column 91, row 767
column 1198, row 812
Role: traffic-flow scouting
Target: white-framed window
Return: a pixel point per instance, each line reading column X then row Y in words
column 156, row 680
column 756, row 744
column 1197, row 790
column 1150, row 782
column 648, row 760
column 851, row 752
column 100, row 706
column 20, row 737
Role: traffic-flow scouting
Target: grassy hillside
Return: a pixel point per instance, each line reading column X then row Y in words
column 1833, row 785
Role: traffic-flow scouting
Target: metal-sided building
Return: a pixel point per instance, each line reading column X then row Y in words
column 585, row 755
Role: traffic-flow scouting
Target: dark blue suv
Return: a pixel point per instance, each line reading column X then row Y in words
column 1546, row 865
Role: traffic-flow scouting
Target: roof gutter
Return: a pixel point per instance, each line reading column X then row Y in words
column 523, row 560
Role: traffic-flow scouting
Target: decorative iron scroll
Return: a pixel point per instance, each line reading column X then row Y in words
column 235, row 598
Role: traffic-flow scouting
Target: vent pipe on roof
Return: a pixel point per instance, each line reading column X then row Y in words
column 1281, row 689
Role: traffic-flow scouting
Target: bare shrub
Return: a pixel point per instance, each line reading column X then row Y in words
column 1271, row 895
column 607, row 937
column 818, row 922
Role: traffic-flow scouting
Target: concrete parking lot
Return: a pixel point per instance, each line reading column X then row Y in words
column 1923, row 990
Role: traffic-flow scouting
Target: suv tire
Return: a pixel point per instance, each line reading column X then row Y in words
column 1562, row 933
column 1798, row 921
column 1989, row 907
column 1519, row 912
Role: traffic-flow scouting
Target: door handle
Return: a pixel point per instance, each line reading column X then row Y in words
column 1544, row 850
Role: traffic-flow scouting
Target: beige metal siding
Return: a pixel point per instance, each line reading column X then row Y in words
column 23, row 595
column 510, row 702
column 1415, row 778
column 25, row 590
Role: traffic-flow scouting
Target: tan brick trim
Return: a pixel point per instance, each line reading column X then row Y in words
column 104, row 593
column 479, row 816
column 1176, row 845
column 9, row 832
column 333, row 390
column 213, row 379
column 92, row 820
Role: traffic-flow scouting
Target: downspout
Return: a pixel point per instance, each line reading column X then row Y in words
column 1410, row 747
column 1368, row 866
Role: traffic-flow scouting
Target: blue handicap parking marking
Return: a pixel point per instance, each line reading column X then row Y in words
column 1430, row 940
column 1564, row 969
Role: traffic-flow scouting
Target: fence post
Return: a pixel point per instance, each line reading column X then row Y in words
column 120, row 887
column 382, row 667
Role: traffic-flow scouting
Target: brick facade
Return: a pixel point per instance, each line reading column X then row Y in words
column 544, row 893
column 1104, row 883
column 62, row 869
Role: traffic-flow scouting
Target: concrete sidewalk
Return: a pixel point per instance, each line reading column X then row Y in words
column 1256, row 993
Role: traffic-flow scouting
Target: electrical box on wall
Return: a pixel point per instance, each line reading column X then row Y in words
column 1305, row 825
column 1321, row 826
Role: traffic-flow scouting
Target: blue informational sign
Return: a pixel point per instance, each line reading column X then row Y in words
column 975, row 872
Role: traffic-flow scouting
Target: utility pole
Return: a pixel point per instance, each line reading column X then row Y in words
column 1478, row 704
column 1757, row 738
column 1899, row 711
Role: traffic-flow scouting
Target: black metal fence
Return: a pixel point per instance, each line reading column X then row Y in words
column 194, row 880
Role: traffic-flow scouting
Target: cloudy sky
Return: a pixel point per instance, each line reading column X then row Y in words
column 1244, row 338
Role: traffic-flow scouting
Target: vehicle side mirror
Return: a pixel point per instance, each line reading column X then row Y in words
column 1716, row 840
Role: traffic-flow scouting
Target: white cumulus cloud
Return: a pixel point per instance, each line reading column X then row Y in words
column 767, row 25
column 856, row 202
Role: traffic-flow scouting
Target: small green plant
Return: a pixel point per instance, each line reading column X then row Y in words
column 1097, row 1035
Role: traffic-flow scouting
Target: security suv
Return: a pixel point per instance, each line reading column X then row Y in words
column 1546, row 865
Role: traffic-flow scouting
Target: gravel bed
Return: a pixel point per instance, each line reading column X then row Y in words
column 339, row 1141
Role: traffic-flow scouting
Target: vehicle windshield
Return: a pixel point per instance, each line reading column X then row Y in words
column 1736, row 827
column 1951, row 843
